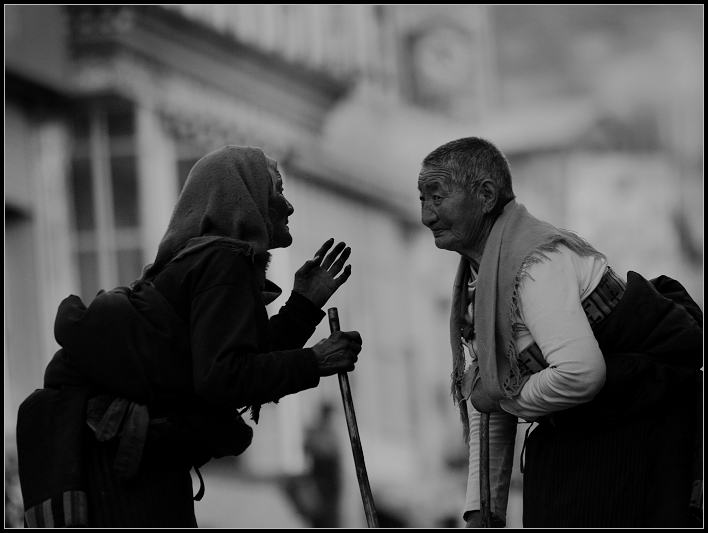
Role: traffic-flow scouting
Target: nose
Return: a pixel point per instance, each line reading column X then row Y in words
column 291, row 209
column 427, row 216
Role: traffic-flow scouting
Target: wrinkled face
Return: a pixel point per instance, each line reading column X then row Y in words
column 455, row 216
column 279, row 209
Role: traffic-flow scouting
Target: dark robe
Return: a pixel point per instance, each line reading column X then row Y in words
column 186, row 351
column 627, row 458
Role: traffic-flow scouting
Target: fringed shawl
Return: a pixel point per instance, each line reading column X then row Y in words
column 517, row 241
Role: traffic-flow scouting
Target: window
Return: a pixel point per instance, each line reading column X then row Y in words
column 104, row 187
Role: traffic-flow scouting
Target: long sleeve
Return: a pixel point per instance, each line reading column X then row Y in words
column 295, row 322
column 238, row 356
column 551, row 309
column 230, row 363
column 502, row 436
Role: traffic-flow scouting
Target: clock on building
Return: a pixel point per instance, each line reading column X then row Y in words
column 442, row 61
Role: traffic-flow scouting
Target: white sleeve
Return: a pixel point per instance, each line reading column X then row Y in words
column 502, row 437
column 551, row 309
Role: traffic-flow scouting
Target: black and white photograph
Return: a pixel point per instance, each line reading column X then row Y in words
column 354, row 266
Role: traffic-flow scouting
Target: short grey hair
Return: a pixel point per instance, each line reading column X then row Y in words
column 471, row 160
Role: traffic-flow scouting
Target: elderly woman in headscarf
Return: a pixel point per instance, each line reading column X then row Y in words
column 152, row 380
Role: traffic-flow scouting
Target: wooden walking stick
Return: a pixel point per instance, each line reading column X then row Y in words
column 366, row 496
column 484, row 489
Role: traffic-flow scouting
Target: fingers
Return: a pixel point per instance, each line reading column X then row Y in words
column 351, row 339
column 332, row 260
column 322, row 251
column 338, row 353
column 339, row 263
column 353, row 336
column 332, row 255
column 344, row 277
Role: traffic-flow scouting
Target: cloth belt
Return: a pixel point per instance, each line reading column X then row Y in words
column 598, row 305
column 111, row 417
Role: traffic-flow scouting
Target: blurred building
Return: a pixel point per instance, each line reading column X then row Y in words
column 108, row 107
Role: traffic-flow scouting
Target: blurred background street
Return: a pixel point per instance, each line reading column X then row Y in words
column 599, row 109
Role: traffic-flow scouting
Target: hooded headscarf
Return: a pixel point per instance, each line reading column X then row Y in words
column 224, row 199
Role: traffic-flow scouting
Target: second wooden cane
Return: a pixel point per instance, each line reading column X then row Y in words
column 484, row 489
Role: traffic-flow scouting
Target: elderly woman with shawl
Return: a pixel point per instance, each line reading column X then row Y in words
column 542, row 329
column 152, row 380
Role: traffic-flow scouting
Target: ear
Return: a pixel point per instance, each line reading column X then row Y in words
column 488, row 194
